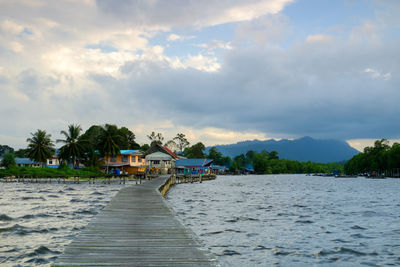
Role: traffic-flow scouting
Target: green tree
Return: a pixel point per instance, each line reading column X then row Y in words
column 218, row 158
column 239, row 162
column 8, row 160
column 171, row 145
column 91, row 155
column 261, row 163
column 108, row 140
column 156, row 137
column 145, row 147
column 273, row 155
column 40, row 147
column 128, row 139
column 4, row 149
column 21, row 153
column 73, row 148
column 181, row 142
column 394, row 156
column 195, row 151
column 214, row 154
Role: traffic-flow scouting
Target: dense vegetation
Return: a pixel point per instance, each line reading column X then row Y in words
column 269, row 163
column 98, row 141
column 49, row 171
column 380, row 158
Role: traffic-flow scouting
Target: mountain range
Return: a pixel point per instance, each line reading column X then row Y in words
column 302, row 149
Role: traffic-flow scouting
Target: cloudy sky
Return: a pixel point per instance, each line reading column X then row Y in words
column 219, row 71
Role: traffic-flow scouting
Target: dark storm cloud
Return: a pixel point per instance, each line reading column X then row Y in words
column 323, row 90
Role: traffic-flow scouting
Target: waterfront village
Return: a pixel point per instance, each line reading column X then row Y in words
column 157, row 160
column 108, row 150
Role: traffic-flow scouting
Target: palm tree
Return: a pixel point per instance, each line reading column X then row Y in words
column 73, row 149
column 108, row 141
column 156, row 137
column 40, row 147
column 181, row 142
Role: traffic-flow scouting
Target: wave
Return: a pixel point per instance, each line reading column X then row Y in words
column 357, row 227
column 31, row 198
column 4, row 217
column 213, row 233
column 229, row 252
column 74, row 200
column 43, row 250
column 38, row 261
column 304, row 221
column 23, row 230
column 343, row 250
column 84, row 211
column 40, row 215
column 261, row 247
column 233, row 231
column 16, row 228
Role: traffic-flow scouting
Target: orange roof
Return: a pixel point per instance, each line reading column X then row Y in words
column 170, row 152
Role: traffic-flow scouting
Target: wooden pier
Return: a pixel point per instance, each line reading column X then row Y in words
column 137, row 228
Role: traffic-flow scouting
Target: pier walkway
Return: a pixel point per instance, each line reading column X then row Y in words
column 137, row 228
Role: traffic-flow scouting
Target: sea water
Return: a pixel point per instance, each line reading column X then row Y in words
column 37, row 221
column 294, row 220
column 268, row 220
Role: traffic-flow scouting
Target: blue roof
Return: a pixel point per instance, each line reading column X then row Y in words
column 131, row 152
column 193, row 162
column 24, row 161
column 218, row 167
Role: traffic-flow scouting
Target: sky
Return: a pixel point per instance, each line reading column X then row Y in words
column 218, row 71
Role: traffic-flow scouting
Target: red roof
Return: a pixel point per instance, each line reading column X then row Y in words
column 170, row 152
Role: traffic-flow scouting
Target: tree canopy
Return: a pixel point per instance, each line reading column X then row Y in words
column 195, row 151
column 73, row 148
column 181, row 142
column 379, row 158
column 40, row 147
column 8, row 160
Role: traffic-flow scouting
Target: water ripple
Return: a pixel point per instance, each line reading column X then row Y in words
column 304, row 220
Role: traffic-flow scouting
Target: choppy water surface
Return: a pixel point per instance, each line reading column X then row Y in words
column 294, row 220
column 37, row 221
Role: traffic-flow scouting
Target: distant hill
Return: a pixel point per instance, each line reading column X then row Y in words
column 303, row 149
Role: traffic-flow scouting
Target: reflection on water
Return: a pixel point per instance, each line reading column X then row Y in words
column 37, row 221
column 294, row 220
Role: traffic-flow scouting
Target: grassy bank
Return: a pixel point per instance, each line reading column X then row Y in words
column 50, row 171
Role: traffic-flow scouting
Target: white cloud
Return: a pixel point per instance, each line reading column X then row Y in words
column 377, row 74
column 366, row 33
column 216, row 44
column 200, row 62
column 319, row 38
column 11, row 27
column 173, row 13
column 265, row 30
column 16, row 47
column 250, row 10
column 174, row 37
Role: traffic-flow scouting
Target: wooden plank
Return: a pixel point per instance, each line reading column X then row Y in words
column 137, row 228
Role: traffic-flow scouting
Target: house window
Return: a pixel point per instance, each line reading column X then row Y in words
column 156, row 162
column 50, row 162
column 133, row 159
column 114, row 159
column 124, row 158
